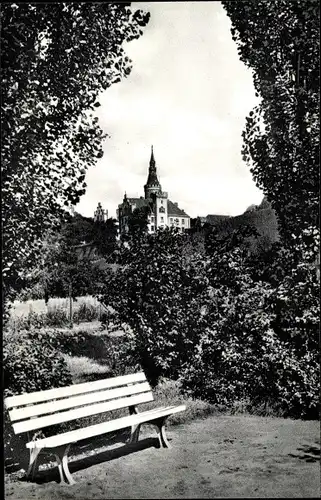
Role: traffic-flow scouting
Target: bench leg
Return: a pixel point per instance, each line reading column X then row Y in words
column 61, row 454
column 161, row 433
column 134, row 435
column 32, row 468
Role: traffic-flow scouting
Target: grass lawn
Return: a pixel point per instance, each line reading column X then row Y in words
column 220, row 456
column 39, row 306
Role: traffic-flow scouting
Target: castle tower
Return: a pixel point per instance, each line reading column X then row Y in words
column 152, row 185
column 123, row 213
column 100, row 215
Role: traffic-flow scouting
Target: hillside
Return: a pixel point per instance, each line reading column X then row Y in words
column 264, row 220
column 262, row 217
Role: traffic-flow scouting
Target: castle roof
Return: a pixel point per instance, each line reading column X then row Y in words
column 173, row 210
column 139, row 202
column 152, row 179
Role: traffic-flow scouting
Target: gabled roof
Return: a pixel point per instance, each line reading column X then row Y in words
column 215, row 219
column 175, row 210
column 139, row 202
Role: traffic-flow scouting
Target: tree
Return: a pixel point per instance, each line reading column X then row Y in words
column 79, row 229
column 56, row 59
column 162, row 290
column 76, row 230
column 104, row 237
column 208, row 317
column 279, row 41
column 60, row 266
column 137, row 223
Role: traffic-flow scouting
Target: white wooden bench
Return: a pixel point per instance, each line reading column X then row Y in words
column 30, row 412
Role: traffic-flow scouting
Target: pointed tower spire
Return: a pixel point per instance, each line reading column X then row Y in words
column 152, row 159
column 152, row 185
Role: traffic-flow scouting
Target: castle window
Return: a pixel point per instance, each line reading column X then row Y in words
column 177, row 221
column 152, row 219
column 171, row 219
column 162, row 202
column 152, row 228
column 162, row 219
column 183, row 222
column 162, row 210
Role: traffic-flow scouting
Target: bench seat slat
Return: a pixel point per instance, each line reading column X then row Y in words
column 62, row 392
column 74, row 401
column 66, row 416
column 105, row 427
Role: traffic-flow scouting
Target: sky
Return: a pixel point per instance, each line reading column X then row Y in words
column 187, row 95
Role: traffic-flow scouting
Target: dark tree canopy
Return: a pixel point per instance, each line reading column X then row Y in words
column 72, row 255
column 56, row 58
column 137, row 222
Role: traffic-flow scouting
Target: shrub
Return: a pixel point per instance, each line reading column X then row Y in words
column 229, row 334
column 83, row 343
column 265, row 351
column 31, row 362
column 278, row 379
column 57, row 316
column 86, row 312
column 169, row 393
column 25, row 322
column 154, row 292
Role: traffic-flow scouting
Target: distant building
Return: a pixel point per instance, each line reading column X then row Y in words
column 100, row 215
column 162, row 212
column 210, row 219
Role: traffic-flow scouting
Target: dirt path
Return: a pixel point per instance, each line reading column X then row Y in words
column 222, row 456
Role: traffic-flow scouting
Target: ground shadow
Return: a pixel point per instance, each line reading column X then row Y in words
column 46, row 476
column 89, row 445
column 310, row 453
column 86, row 343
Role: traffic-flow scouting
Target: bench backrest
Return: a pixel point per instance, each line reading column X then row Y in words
column 35, row 410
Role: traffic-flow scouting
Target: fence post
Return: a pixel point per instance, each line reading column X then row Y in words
column 70, row 305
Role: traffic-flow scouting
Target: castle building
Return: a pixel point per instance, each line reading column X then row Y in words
column 100, row 215
column 162, row 212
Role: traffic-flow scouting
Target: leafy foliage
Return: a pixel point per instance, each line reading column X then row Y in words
column 86, row 312
column 31, row 362
column 55, row 59
column 104, row 236
column 79, row 229
column 53, row 317
column 279, row 41
column 259, row 350
column 262, row 220
column 214, row 322
column 137, row 223
column 141, row 292
column 60, row 267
